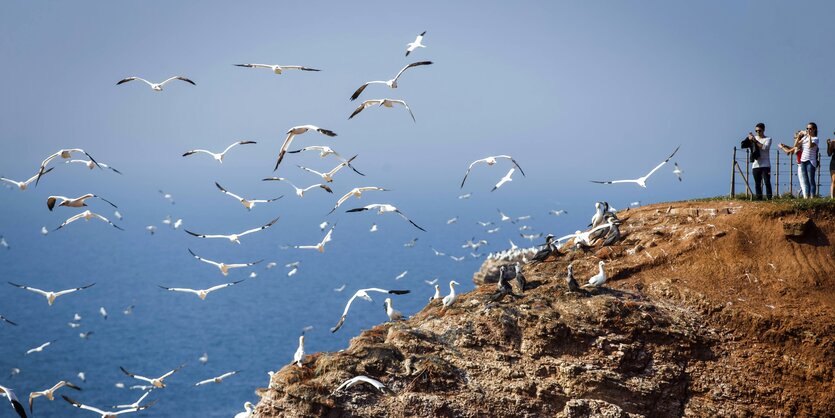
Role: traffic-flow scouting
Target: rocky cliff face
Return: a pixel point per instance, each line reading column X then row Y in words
column 712, row 309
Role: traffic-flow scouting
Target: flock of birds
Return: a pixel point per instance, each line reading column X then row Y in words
column 603, row 228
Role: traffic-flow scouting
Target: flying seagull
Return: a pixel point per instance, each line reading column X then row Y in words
column 642, row 181
column 224, row 268
column 65, row 154
column 356, row 192
column 389, row 103
column 328, row 176
column 234, row 237
column 325, row 151
column 40, row 348
column 16, row 405
column 411, row 46
column 103, row 414
column 202, row 293
column 391, row 83
column 363, row 293
column 248, row 203
column 49, row 393
column 320, row 246
column 50, row 296
column 505, row 179
column 91, row 165
column 155, row 86
column 677, row 171
column 135, row 404
column 22, row 185
column 278, row 69
column 74, row 203
column 218, row 156
column 298, row 130
column 156, row 382
column 299, row 191
column 490, row 161
column 87, row 215
column 217, row 379
column 364, row 379
column 385, row 208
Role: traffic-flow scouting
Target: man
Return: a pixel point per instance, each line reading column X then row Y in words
column 761, row 167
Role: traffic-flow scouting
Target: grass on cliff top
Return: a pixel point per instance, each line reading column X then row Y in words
column 785, row 202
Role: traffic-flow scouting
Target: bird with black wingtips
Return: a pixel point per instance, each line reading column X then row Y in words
column 298, row 130
column 356, row 192
column 277, row 69
column 16, row 405
column 66, row 154
column 74, row 202
column 23, row 185
column 223, row 267
column 364, row 379
column 157, row 382
column 202, row 293
column 49, row 393
column 411, row 46
column 49, row 295
column 218, row 156
column 300, row 191
column 91, row 165
column 389, row 103
column 235, row 238
column 87, row 215
column 641, row 181
column 328, row 175
column 247, row 203
column 156, row 86
column 325, row 151
column 390, row 83
column 363, row 294
column 490, row 161
column 385, row 208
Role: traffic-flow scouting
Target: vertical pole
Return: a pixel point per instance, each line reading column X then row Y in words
column 818, row 152
column 778, row 174
column 791, row 175
column 747, row 176
column 733, row 175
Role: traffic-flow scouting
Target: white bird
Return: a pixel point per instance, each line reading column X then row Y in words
column 385, row 208
column 117, row 215
column 437, row 253
column 156, row 86
column 411, row 46
column 16, row 405
column 135, row 404
column 557, row 212
column 402, row 275
column 65, row 154
column 73, row 325
column 103, row 312
column 3, row 243
column 14, row 372
column 278, row 69
column 452, row 221
column 178, row 223
column 494, row 230
column 465, row 196
column 82, row 376
column 203, row 359
column 270, row 265
column 451, row 297
column 234, row 237
column 299, row 191
column 325, row 151
column 363, row 293
column 76, row 317
column 598, row 279
column 22, row 185
column 599, row 211
column 103, row 414
column 677, row 171
column 248, row 203
column 298, row 356
column 321, row 245
column 217, row 379
column 490, row 161
column 484, row 224
column 328, row 175
column 157, row 382
column 44, row 231
column 642, row 181
column 507, row 177
column 202, row 293
column 356, row 192
column 128, row 310
column 340, row 288
column 373, row 228
column 389, row 103
column 85, row 335
column 50, row 296
column 505, row 217
column 73, row 202
column 454, row 258
column 87, row 215
column 218, row 156
column 513, row 246
column 151, row 229
column 92, row 164
column 531, row 237
column 363, row 379
column 40, row 348
column 248, row 408
column 167, row 196
column 393, row 314
column 437, row 293
column 323, row 225
column 390, row 83
column 298, row 130
column 292, row 272
column 224, row 268
column 49, row 393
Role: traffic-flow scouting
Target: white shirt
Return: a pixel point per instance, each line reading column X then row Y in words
column 765, row 153
column 809, row 154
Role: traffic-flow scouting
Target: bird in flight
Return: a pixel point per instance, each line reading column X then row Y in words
column 411, row 46
column 490, row 161
column 224, row 268
column 87, row 215
column 155, row 382
column 218, row 156
column 325, row 151
column 65, row 154
column 390, row 83
column 202, row 293
column 505, row 179
column 328, row 176
column 22, row 185
column 49, row 295
column 385, row 208
column 389, row 103
column 49, row 393
column 641, row 181
column 299, row 191
column 248, row 203
column 73, row 203
column 91, row 165
column 217, row 379
column 156, row 86
column 234, row 237
column 278, row 69
column 298, row 130
column 363, row 294
column 356, row 192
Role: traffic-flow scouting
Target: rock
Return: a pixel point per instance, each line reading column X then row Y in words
column 796, row 228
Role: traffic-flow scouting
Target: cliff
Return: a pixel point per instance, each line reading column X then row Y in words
column 712, row 308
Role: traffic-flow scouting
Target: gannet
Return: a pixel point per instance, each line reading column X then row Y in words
column 363, row 379
column 677, row 171
column 491, row 161
column 224, row 268
column 40, row 348
column 411, row 46
column 299, row 191
column 328, row 175
column 437, row 293
column 402, row 275
column 73, row 202
column 298, row 130
column 298, row 356
column 155, row 382
column 598, row 279
column 390, row 83
column 363, row 294
column 234, row 237
column 50, row 296
column 22, row 185
column 389, row 103
column 248, row 408
column 91, row 165
column 87, row 215
column 135, row 404
column 217, row 379
column 393, row 314
column 202, row 293
column 156, row 86
column 321, row 245
column 642, row 181
column 49, row 393
column 218, row 156
column 451, row 297
column 103, row 414
column 248, row 203
column 385, row 208
column 278, row 69
column 325, row 151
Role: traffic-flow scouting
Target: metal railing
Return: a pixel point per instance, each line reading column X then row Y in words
column 784, row 179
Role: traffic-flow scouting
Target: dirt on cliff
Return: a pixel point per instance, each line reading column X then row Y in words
column 716, row 308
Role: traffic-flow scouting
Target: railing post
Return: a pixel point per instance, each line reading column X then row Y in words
column 818, row 189
column 777, row 173
column 733, row 175
column 791, row 175
column 747, row 176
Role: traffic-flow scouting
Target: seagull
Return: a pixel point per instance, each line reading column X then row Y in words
column 156, row 382
column 505, row 217
column 298, row 356
column 677, row 171
column 328, row 176
column 50, row 296
column 277, row 68
column 300, row 192
column 248, row 203
column 74, row 203
column 356, row 192
column 155, row 86
column 44, row 231
column 248, row 408
column 135, row 404
column 320, row 246
column 570, row 281
column 364, row 379
column 103, row 312
column 202, row 293
column 87, row 215
column 385, row 208
column 411, row 46
column 218, row 156
column 393, row 314
column 402, row 275
column 103, row 414
column 16, row 405
column 203, row 359
column 363, row 293
column 505, row 179
column 65, row 154
column 454, row 258
column 642, row 181
column 217, row 379
column 40, row 348
column 340, row 288
column 465, row 196
column 92, row 164
column 438, row 253
column 234, row 237
column 224, row 268
column 6, row 320
column 324, row 151
column 22, row 185
column 491, row 161
column 298, row 130
column 373, row 228
column 389, row 103
column 598, row 279
column 390, row 83
column 451, row 297
column 49, row 393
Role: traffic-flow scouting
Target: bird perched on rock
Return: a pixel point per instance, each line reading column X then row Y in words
column 543, row 254
column 503, row 287
column 598, row 279
column 393, row 314
column 299, row 355
column 451, row 297
column 573, row 286
column 520, row 277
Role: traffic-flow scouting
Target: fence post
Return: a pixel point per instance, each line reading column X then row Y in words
column 733, row 175
column 747, row 176
column 778, row 174
column 818, row 189
column 791, row 175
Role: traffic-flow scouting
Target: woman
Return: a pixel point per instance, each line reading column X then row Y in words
column 830, row 149
column 806, row 143
column 795, row 150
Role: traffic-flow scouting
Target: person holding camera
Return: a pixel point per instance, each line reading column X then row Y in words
column 806, row 148
column 830, row 150
column 761, row 166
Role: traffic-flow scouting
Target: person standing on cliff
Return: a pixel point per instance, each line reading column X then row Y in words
column 761, row 167
column 830, row 150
